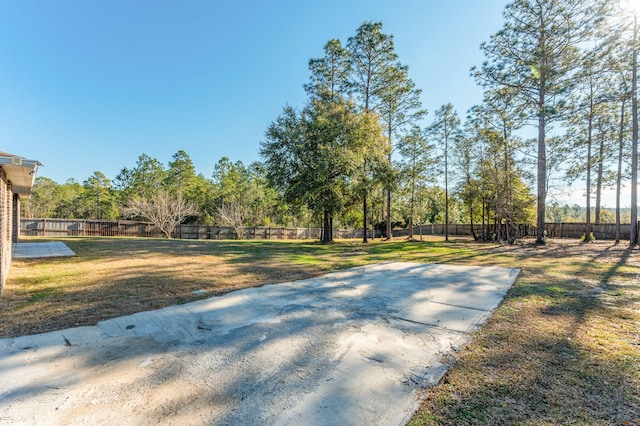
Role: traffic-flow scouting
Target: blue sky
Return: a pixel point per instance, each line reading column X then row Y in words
column 90, row 85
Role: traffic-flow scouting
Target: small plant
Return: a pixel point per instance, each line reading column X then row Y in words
column 591, row 239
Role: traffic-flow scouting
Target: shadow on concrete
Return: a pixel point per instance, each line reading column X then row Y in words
column 350, row 347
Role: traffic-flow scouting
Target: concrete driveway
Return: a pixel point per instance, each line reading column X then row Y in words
column 350, row 348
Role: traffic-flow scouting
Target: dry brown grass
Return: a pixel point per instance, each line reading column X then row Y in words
column 120, row 276
column 563, row 348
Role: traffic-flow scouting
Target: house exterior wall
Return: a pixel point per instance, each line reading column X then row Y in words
column 15, row 227
column 6, row 227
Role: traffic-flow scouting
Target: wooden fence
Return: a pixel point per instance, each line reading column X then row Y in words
column 462, row 229
column 602, row 231
column 81, row 227
column 127, row 228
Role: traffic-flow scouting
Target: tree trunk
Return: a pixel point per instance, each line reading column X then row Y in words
column 542, row 167
column 634, row 140
column 473, row 232
column 587, row 231
column 507, row 235
column 446, row 191
column 484, row 229
column 411, row 208
column 364, row 215
column 382, row 215
column 507, row 202
column 389, row 194
column 389, row 214
column 619, row 176
column 327, row 232
column 599, row 181
column 330, row 228
column 372, row 221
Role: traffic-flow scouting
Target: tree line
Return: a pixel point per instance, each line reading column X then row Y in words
column 358, row 154
column 239, row 196
column 565, row 67
column 234, row 195
column 569, row 68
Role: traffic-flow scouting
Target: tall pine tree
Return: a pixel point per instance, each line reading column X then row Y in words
column 535, row 53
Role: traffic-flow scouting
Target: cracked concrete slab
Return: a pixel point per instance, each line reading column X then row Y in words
column 351, row 347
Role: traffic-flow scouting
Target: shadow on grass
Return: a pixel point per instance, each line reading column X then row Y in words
column 120, row 276
column 251, row 351
column 556, row 352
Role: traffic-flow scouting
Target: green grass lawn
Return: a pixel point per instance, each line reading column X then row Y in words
column 563, row 348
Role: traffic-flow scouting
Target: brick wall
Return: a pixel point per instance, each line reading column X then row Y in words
column 15, row 221
column 6, row 216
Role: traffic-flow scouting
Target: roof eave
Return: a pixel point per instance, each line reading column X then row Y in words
column 21, row 173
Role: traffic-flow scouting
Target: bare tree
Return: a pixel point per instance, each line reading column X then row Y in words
column 164, row 209
column 232, row 215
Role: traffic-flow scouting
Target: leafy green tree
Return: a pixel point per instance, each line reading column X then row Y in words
column 70, row 196
column 312, row 157
column 241, row 195
column 152, row 192
column 201, row 193
column 607, row 54
column 144, row 179
column 431, row 204
column 373, row 60
column 606, row 130
column 263, row 198
column 506, row 199
column 622, row 99
column 493, row 126
column 43, row 200
column 332, row 79
column 371, row 151
column 231, row 182
column 617, row 39
column 181, row 176
column 98, row 194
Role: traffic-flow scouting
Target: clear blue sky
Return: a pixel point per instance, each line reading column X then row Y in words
column 90, row 85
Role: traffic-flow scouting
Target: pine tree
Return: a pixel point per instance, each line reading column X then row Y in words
column 444, row 130
column 535, row 53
